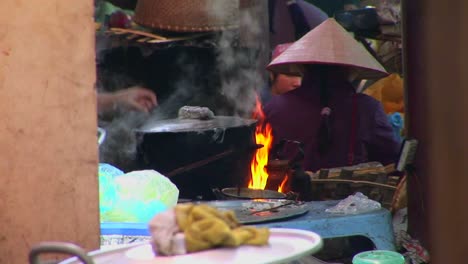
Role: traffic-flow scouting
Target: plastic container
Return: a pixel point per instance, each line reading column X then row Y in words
column 134, row 197
column 378, row 257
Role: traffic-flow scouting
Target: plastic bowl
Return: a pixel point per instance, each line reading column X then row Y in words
column 378, row 257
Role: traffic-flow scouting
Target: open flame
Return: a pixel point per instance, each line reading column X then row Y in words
column 263, row 136
column 283, row 184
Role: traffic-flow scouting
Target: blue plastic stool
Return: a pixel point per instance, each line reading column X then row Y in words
column 375, row 225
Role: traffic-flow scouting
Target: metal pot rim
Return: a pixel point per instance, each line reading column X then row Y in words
column 246, row 193
column 194, row 125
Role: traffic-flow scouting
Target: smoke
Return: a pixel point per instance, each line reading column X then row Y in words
column 188, row 89
column 120, row 145
column 239, row 59
column 238, row 76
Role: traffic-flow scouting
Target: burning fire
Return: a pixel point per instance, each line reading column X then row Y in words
column 283, row 184
column 263, row 136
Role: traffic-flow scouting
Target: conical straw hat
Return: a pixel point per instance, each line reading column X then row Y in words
column 329, row 43
column 280, row 48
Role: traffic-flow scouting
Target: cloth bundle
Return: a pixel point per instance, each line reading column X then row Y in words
column 191, row 228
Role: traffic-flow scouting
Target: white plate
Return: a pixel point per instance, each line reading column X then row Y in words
column 284, row 245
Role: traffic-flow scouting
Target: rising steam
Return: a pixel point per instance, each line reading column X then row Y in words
column 238, row 62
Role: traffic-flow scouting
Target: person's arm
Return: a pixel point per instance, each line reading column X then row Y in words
column 135, row 98
column 384, row 146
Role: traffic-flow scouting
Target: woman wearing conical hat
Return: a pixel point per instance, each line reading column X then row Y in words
column 338, row 126
column 282, row 83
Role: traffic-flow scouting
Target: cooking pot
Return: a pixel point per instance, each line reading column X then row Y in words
column 168, row 145
column 195, row 125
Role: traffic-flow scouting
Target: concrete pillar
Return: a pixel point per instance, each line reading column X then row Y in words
column 436, row 74
column 48, row 147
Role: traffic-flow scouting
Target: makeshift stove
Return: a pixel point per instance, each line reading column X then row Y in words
column 288, row 174
column 210, row 159
column 199, row 155
column 271, row 169
column 272, row 174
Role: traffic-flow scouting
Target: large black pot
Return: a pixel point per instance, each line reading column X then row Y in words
column 225, row 143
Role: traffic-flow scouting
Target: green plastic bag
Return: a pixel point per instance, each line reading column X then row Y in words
column 137, row 196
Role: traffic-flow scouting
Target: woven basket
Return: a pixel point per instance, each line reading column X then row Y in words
column 188, row 15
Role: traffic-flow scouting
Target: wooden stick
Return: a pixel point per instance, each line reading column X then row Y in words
column 137, row 32
column 272, row 208
column 143, row 40
column 199, row 163
column 386, row 186
column 132, row 36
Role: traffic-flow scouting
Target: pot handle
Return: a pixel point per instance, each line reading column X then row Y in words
column 278, row 151
column 101, row 135
column 218, row 194
column 58, row 247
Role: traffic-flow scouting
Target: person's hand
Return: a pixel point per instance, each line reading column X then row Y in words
column 136, row 98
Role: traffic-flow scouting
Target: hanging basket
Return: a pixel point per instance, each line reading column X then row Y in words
column 188, row 15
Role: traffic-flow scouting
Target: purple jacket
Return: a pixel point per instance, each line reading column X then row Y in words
column 296, row 116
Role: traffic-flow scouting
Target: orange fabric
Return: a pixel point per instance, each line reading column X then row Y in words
column 390, row 92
